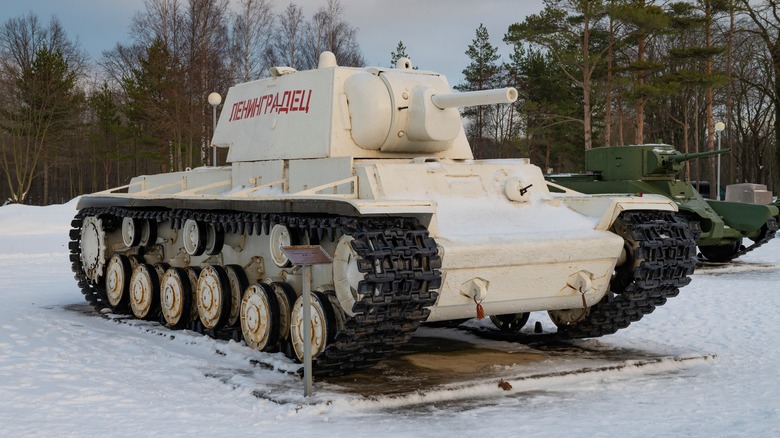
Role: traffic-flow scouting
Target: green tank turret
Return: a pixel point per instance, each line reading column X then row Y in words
column 653, row 168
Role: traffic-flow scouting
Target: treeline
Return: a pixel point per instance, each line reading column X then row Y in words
column 590, row 73
column 68, row 127
column 615, row 72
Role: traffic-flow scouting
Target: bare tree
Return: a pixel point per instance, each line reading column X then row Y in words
column 252, row 29
column 40, row 67
column 119, row 62
column 207, row 24
column 160, row 19
column 765, row 16
column 327, row 30
column 178, row 44
column 286, row 46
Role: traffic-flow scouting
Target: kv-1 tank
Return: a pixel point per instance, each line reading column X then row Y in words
column 371, row 165
column 719, row 226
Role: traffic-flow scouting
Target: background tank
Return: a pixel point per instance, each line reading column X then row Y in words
column 371, row 164
column 653, row 168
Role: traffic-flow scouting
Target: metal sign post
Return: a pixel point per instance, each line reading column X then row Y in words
column 306, row 256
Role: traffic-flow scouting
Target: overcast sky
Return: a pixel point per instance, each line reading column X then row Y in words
column 435, row 32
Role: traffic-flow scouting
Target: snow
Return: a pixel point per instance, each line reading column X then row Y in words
column 705, row 364
column 533, row 220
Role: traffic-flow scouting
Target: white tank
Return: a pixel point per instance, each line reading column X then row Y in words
column 372, row 165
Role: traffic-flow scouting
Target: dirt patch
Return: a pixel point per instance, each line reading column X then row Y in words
column 428, row 362
column 476, row 361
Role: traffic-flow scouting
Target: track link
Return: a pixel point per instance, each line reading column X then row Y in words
column 399, row 259
column 663, row 260
column 768, row 232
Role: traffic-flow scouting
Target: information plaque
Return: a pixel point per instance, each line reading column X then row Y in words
column 307, row 255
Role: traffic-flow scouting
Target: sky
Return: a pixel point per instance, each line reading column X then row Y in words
column 436, row 32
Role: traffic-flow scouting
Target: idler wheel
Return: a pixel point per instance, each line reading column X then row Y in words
column 260, row 317
column 238, row 284
column 511, row 322
column 176, row 297
column 144, row 291
column 118, row 273
column 93, row 248
column 214, row 297
column 323, row 325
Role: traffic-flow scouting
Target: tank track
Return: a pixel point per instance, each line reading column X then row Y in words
column 400, row 261
column 664, row 248
column 768, row 233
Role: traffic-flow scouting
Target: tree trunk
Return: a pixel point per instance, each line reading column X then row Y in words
column 45, row 197
column 586, row 81
column 776, row 171
column 713, row 170
column 639, row 122
column 730, row 92
column 621, row 139
column 548, row 145
column 686, row 133
column 608, row 104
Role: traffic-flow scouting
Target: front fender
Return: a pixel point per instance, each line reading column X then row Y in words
column 606, row 208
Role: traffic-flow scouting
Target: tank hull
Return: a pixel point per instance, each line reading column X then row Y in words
column 522, row 254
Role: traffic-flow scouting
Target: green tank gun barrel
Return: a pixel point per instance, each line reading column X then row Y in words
column 685, row 157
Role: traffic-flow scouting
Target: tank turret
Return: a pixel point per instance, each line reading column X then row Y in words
column 640, row 161
column 372, row 166
column 654, row 168
column 342, row 111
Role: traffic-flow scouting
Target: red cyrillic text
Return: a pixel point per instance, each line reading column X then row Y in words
column 282, row 102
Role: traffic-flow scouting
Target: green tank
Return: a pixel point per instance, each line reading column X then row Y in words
column 720, row 226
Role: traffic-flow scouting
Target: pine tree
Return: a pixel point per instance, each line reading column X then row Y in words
column 398, row 53
column 565, row 28
column 106, row 133
column 150, row 103
column 483, row 72
column 549, row 106
column 641, row 21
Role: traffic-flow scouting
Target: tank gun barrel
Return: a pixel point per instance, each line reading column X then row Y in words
column 685, row 157
column 475, row 98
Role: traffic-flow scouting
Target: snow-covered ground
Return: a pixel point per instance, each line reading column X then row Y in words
column 65, row 371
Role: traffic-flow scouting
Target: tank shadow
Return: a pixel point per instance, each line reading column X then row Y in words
column 430, row 362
